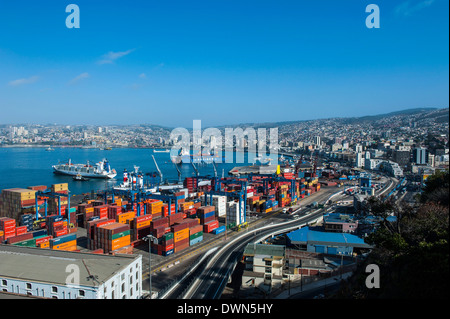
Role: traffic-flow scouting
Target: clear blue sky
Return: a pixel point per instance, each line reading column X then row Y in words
column 221, row 61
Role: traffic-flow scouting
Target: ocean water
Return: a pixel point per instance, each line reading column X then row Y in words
column 23, row 167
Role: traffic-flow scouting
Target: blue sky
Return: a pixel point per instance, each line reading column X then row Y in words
column 221, row 61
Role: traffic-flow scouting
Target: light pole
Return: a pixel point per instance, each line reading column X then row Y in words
column 150, row 239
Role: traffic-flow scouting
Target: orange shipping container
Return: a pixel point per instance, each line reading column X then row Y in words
column 143, row 224
column 120, row 242
column 181, row 234
column 70, row 245
column 45, row 244
column 123, row 217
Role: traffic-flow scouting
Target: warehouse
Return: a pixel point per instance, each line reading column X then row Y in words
column 325, row 242
column 57, row 274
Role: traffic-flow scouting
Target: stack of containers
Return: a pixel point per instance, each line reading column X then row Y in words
column 165, row 245
column 191, row 183
column 91, row 231
column 181, row 235
column 67, row 242
column 220, row 204
column 101, row 211
column 27, row 221
column 159, row 227
column 62, row 188
column 154, row 207
column 21, row 230
column 206, row 214
column 113, row 211
column 86, row 211
column 195, row 234
column 186, row 206
column 124, row 217
column 14, row 200
column 165, row 210
column 233, row 216
column 112, row 237
column 56, row 225
column 140, row 227
column 174, row 218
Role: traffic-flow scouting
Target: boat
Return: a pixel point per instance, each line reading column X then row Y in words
column 101, row 169
column 185, row 157
column 161, row 151
column 48, row 149
column 262, row 161
column 80, row 178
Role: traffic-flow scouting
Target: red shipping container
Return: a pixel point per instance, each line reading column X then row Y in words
column 21, row 230
column 61, row 232
column 210, row 226
column 195, row 229
column 43, row 240
column 16, row 239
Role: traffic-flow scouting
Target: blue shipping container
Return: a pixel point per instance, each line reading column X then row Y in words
column 64, row 239
column 40, row 232
column 195, row 240
column 167, row 253
column 219, row 230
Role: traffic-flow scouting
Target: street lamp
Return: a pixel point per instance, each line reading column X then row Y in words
column 150, row 239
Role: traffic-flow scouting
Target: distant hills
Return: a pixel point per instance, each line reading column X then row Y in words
column 439, row 115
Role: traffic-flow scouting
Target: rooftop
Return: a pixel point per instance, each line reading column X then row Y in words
column 307, row 236
column 46, row 265
column 264, row 249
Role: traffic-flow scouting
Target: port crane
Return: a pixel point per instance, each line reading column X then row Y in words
column 159, row 171
column 46, row 194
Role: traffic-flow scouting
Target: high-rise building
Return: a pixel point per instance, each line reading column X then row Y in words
column 317, row 140
column 420, row 156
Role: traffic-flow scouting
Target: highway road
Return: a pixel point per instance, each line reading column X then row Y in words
column 207, row 274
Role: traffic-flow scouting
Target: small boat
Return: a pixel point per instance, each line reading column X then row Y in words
column 80, row 178
column 161, row 151
column 49, row 149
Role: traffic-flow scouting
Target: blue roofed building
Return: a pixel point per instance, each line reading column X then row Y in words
column 325, row 242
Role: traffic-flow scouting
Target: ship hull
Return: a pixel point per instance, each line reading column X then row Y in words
column 186, row 159
column 83, row 174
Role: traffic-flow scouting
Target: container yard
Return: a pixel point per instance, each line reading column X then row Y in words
column 118, row 220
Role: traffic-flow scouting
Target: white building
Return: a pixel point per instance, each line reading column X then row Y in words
column 48, row 273
column 263, row 266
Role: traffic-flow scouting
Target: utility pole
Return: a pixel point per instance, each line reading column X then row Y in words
column 150, row 239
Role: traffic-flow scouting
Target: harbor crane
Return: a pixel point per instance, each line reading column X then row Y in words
column 157, row 168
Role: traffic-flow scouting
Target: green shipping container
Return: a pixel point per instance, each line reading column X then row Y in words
column 196, row 235
column 168, row 236
column 121, row 234
column 27, row 243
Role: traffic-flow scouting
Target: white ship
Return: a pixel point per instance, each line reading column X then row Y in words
column 101, row 169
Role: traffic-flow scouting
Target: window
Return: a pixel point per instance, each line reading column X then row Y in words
column 54, row 289
column 131, row 291
column 137, row 275
column 131, row 280
column 268, row 263
column 122, row 277
column 123, row 287
column 28, row 285
column 4, row 282
column 81, row 293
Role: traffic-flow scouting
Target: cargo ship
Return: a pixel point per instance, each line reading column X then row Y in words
column 101, row 169
column 185, row 157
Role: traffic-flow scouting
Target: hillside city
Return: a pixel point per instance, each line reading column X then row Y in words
column 413, row 141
